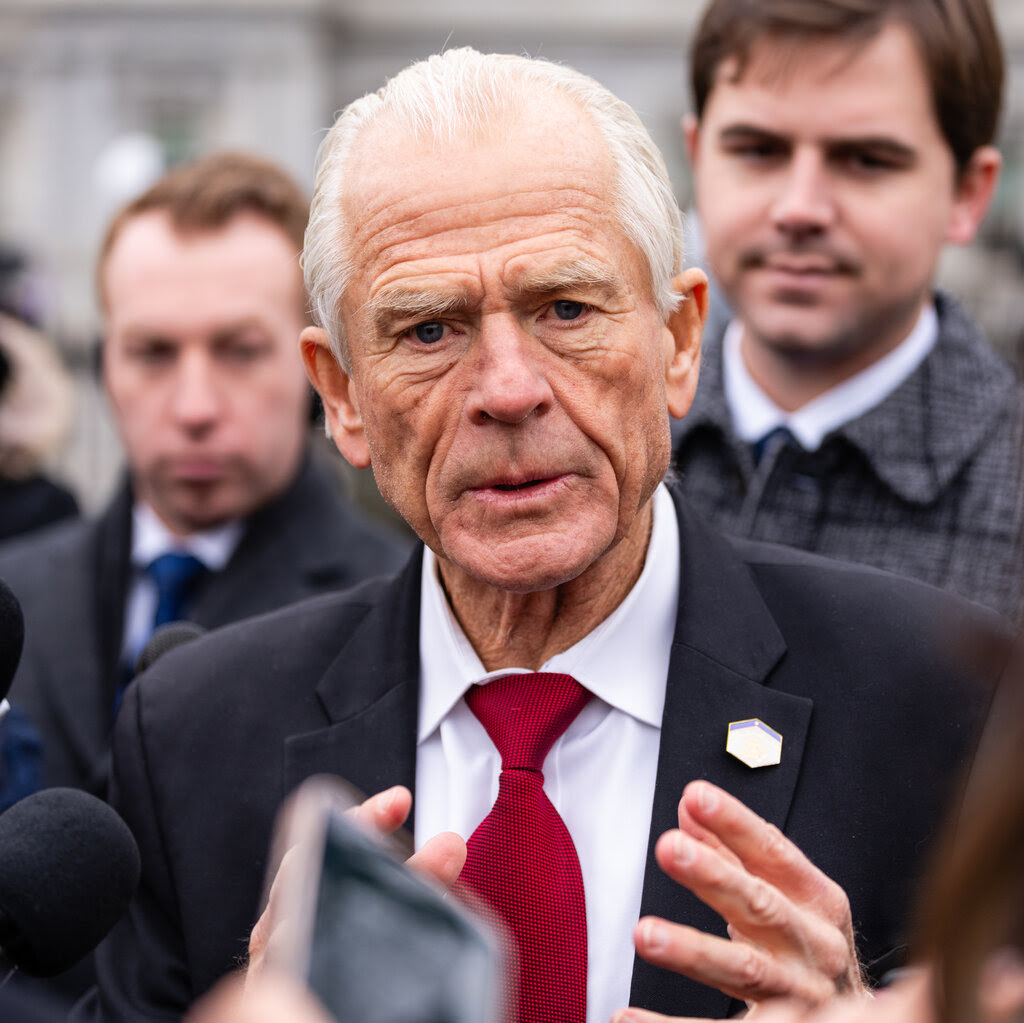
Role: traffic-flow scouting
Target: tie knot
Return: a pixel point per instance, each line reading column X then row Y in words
column 525, row 714
column 773, row 442
column 174, row 574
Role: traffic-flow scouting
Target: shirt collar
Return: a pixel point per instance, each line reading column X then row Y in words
column 151, row 538
column 624, row 661
column 755, row 415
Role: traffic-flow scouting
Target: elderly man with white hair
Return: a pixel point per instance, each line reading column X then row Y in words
column 628, row 725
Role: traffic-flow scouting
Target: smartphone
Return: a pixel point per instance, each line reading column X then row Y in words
column 375, row 941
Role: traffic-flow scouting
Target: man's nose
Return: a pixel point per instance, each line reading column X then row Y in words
column 509, row 382
column 196, row 399
column 805, row 203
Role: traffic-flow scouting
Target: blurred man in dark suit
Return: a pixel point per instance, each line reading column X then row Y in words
column 222, row 511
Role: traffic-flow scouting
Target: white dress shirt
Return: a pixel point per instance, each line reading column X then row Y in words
column 150, row 539
column 755, row 415
column 599, row 775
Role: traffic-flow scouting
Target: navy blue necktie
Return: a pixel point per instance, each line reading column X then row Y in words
column 175, row 575
column 777, row 438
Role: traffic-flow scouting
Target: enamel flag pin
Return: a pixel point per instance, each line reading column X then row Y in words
column 754, row 742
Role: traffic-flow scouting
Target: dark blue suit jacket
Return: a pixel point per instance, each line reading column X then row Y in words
column 72, row 582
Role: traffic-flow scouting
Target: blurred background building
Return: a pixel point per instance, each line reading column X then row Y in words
column 97, row 97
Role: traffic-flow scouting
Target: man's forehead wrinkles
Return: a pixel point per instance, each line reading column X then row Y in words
column 477, row 254
column 416, row 217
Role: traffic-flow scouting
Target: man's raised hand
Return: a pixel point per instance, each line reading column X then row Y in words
column 790, row 929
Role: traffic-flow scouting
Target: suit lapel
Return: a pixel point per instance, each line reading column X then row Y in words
column 95, row 576
column 725, row 646
column 370, row 695
column 112, row 573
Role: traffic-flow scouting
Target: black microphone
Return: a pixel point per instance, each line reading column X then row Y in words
column 12, row 637
column 68, row 869
column 165, row 638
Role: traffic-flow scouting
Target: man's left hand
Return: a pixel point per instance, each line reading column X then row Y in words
column 790, row 929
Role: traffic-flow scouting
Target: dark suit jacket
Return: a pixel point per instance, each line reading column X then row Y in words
column 844, row 661
column 927, row 483
column 72, row 582
column 31, row 503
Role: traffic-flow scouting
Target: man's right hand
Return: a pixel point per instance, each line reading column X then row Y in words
column 440, row 858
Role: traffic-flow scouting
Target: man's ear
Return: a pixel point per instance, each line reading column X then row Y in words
column 691, row 136
column 338, row 393
column 685, row 327
column 975, row 186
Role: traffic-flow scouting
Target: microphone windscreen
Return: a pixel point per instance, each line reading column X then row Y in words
column 68, row 868
column 12, row 636
column 165, row 638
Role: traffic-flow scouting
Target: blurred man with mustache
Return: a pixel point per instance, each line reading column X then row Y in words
column 850, row 409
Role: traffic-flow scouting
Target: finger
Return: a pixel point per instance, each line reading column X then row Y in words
column 441, row 858
column 386, row 811
column 784, row 1010
column 798, row 937
column 763, row 849
column 749, row 904
column 632, row 1015
column 270, row 918
column 691, row 827
column 741, row 970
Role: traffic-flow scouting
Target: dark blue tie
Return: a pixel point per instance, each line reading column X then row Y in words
column 175, row 576
column 772, row 441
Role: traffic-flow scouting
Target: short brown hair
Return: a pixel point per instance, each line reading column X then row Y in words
column 957, row 40
column 208, row 193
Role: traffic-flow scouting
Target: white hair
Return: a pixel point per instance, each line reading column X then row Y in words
column 463, row 91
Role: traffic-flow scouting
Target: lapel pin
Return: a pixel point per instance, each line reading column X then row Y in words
column 754, row 742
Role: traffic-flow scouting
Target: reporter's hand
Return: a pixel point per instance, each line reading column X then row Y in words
column 790, row 929
column 440, row 858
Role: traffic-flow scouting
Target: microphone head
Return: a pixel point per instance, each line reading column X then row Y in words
column 165, row 638
column 68, row 869
column 12, row 637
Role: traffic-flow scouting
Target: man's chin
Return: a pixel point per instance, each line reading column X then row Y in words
column 814, row 340
column 519, row 567
column 200, row 508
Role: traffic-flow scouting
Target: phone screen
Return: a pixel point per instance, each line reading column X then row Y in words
column 387, row 947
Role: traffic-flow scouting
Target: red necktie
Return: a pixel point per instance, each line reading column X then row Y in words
column 521, row 858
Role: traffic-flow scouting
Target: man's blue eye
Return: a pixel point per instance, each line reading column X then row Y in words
column 429, row 333
column 566, row 310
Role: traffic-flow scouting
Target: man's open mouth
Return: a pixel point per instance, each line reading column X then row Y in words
column 518, row 486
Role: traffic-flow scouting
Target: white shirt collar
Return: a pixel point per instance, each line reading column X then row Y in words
column 151, row 538
column 755, row 415
column 624, row 661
